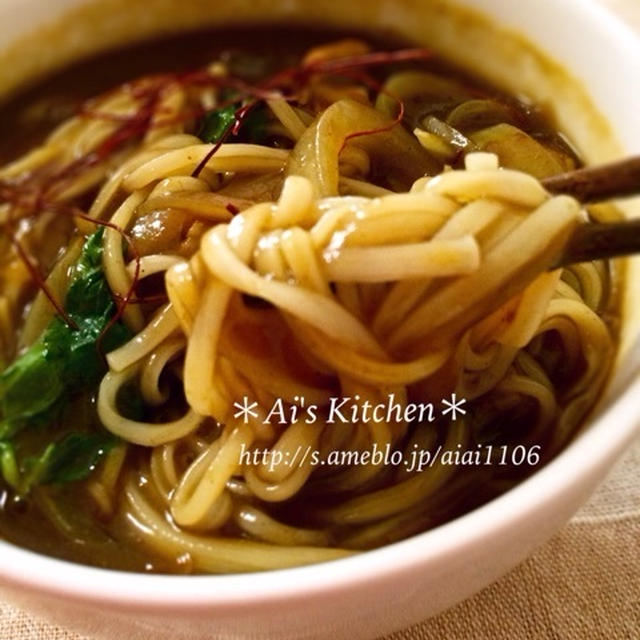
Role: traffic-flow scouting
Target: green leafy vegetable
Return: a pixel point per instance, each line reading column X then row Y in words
column 28, row 387
column 9, row 465
column 72, row 458
column 218, row 121
column 63, row 362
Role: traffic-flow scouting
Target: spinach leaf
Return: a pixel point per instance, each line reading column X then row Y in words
column 216, row 122
column 9, row 465
column 63, row 362
column 70, row 459
column 29, row 386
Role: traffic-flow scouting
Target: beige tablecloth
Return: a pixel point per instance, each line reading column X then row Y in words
column 583, row 584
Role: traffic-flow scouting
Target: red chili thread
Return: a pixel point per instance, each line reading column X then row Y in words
column 121, row 306
column 301, row 75
column 35, row 198
column 34, row 272
column 369, row 132
column 233, row 128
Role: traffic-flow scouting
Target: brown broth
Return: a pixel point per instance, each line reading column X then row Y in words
column 74, row 533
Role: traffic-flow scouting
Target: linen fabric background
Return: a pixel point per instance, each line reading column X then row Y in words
column 584, row 583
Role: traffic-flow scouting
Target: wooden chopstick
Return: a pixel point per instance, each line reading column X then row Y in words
column 596, row 184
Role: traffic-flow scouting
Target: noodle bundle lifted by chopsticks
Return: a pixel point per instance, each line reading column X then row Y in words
column 271, row 296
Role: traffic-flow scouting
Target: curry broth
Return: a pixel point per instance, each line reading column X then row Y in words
column 59, row 521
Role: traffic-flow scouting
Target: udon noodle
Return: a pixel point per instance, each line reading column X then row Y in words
column 355, row 262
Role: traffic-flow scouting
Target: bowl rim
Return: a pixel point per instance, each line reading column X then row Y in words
column 33, row 571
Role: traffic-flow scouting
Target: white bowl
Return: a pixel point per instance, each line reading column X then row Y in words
column 383, row 590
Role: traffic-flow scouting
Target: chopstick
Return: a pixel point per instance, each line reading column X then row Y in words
column 601, row 240
column 596, row 184
column 598, row 241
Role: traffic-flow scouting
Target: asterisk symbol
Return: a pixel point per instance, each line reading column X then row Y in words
column 245, row 409
column 454, row 407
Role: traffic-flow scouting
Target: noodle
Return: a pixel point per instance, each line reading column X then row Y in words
column 293, row 308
